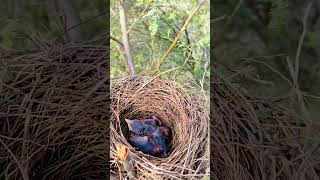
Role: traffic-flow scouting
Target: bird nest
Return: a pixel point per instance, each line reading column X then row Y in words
column 256, row 138
column 54, row 112
column 184, row 112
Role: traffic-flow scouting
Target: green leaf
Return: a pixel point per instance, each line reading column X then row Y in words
column 314, row 39
column 153, row 28
column 172, row 16
column 140, row 2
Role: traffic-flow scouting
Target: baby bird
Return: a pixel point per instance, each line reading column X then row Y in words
column 141, row 127
column 160, row 141
column 148, row 135
column 154, row 121
column 136, row 126
column 145, row 144
column 165, row 131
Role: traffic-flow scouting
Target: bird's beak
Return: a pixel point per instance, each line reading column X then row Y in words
column 129, row 123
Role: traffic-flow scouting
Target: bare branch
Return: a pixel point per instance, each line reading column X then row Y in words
column 304, row 31
column 116, row 40
column 295, row 72
column 125, row 37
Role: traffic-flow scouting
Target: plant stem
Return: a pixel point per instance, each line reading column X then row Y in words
column 125, row 37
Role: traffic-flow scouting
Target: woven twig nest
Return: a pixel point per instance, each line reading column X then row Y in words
column 182, row 111
column 54, row 112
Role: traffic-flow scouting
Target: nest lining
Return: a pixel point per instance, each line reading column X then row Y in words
column 183, row 112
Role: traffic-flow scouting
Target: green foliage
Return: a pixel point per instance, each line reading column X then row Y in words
column 313, row 37
column 154, row 32
column 140, row 2
column 172, row 16
column 8, row 33
column 22, row 21
column 154, row 17
column 281, row 16
column 268, row 31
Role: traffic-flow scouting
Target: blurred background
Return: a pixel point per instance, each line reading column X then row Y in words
column 257, row 38
column 24, row 23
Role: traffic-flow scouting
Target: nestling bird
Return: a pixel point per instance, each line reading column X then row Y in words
column 153, row 143
column 144, row 143
column 160, row 141
column 142, row 127
column 165, row 131
column 149, row 136
column 154, row 121
column 136, row 126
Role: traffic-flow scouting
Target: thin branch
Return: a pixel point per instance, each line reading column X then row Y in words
column 202, row 81
column 214, row 20
column 174, row 43
column 112, row 12
column 295, row 72
column 304, row 31
column 140, row 15
column 81, row 23
column 272, row 69
column 229, row 20
column 116, row 40
column 234, row 12
column 125, row 37
column 120, row 47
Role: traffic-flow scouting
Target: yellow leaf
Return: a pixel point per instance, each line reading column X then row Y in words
column 122, row 151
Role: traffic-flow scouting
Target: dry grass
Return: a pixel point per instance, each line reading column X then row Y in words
column 184, row 112
column 255, row 138
column 53, row 113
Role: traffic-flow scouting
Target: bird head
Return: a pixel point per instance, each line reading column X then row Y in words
column 156, row 119
column 165, row 131
column 134, row 125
